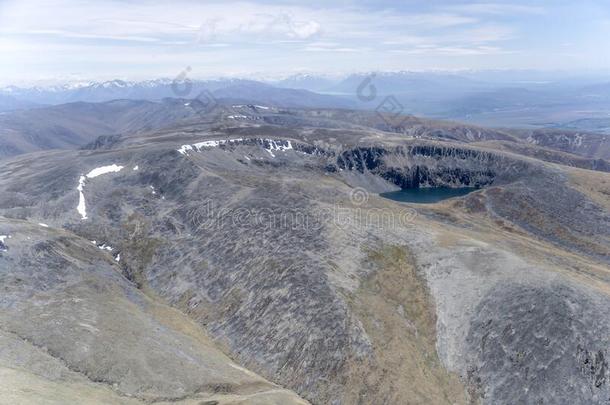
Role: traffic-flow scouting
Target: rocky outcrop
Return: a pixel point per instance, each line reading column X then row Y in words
column 525, row 338
column 551, row 155
column 587, row 144
column 547, row 207
column 426, row 165
column 103, row 142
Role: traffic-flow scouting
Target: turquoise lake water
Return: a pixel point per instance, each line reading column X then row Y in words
column 427, row 195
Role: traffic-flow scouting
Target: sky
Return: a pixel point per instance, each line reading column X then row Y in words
column 65, row 40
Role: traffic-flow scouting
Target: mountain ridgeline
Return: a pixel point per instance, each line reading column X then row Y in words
column 517, row 99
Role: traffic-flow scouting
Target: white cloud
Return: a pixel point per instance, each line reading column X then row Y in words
column 244, row 22
column 281, row 25
column 305, row 30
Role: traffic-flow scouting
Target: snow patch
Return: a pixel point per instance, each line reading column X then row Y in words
column 82, row 205
column 3, row 238
column 279, row 145
column 208, row 144
column 270, row 145
column 136, row 168
column 43, row 225
column 104, row 246
column 104, row 170
column 184, row 149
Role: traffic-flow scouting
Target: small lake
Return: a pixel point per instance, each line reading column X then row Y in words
column 427, row 195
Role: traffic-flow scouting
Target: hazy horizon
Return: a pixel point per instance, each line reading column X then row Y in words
column 514, row 75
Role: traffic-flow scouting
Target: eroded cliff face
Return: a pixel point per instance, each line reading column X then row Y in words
column 413, row 166
column 425, row 165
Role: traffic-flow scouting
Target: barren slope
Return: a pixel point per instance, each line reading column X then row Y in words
column 272, row 239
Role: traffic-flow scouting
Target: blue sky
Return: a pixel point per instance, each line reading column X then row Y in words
column 72, row 40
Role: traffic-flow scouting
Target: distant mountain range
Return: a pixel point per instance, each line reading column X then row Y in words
column 494, row 98
column 526, row 99
column 155, row 90
column 386, row 83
